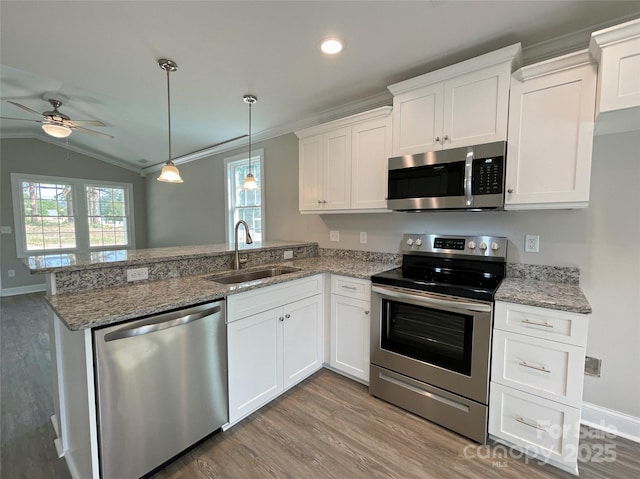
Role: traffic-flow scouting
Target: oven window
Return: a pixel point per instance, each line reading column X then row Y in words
column 427, row 181
column 434, row 336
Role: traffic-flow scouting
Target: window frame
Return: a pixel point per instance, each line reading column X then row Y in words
column 79, row 213
column 257, row 157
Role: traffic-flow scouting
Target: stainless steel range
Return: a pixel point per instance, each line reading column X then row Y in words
column 431, row 329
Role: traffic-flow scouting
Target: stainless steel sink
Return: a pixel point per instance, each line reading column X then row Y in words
column 236, row 278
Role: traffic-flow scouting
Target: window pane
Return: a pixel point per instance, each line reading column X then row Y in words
column 48, row 216
column 245, row 204
column 106, row 209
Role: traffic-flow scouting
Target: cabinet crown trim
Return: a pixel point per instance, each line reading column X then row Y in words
column 511, row 54
column 615, row 34
column 381, row 112
column 553, row 65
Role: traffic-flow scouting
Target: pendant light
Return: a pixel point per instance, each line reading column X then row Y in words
column 170, row 173
column 250, row 181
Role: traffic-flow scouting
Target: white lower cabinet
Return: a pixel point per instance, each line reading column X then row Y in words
column 537, row 375
column 350, row 326
column 273, row 349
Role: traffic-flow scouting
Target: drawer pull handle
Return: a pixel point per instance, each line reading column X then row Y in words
column 533, row 366
column 350, row 288
column 535, row 323
column 530, row 424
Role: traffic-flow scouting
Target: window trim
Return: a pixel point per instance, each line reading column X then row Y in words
column 257, row 156
column 80, row 213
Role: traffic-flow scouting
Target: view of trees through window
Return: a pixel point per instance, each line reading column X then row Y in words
column 107, row 216
column 48, row 216
column 245, row 204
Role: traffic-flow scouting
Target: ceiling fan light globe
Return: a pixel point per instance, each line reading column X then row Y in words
column 250, row 183
column 170, row 174
column 56, row 130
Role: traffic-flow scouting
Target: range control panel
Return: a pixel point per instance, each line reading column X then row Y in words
column 478, row 246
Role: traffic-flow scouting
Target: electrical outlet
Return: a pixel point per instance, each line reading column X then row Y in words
column 137, row 274
column 5, row 230
column 334, row 235
column 363, row 237
column 532, row 243
column 11, row 273
column 592, row 366
column 288, row 254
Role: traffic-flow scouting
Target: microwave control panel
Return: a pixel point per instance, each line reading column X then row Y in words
column 487, row 176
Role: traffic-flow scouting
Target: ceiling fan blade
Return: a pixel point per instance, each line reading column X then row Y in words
column 20, row 119
column 26, row 108
column 85, row 130
column 87, row 123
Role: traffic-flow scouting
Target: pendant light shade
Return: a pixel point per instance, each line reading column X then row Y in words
column 170, row 173
column 250, row 182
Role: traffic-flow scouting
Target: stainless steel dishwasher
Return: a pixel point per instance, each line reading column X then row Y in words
column 161, row 387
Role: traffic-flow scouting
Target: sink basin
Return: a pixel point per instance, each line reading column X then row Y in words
column 245, row 276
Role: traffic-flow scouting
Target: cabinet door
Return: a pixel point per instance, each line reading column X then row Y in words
column 255, row 362
column 310, row 174
column 620, row 76
column 303, row 344
column 550, row 140
column 476, row 107
column 371, row 149
column 337, row 170
column 417, row 120
column 350, row 324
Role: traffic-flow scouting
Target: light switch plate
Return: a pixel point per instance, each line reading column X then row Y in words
column 137, row 274
column 288, row 254
column 363, row 237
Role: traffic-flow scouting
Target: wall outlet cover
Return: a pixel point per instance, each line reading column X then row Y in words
column 363, row 237
column 532, row 243
column 137, row 274
column 334, row 235
column 288, row 254
column 5, row 230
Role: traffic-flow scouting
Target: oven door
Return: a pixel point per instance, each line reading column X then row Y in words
column 440, row 340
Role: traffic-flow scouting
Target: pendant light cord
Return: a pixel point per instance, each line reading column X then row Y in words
column 169, row 110
column 250, row 105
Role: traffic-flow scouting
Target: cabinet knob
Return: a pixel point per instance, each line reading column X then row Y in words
column 437, row 139
column 319, row 202
column 510, row 190
column 366, row 312
column 287, row 316
column 446, row 137
column 281, row 318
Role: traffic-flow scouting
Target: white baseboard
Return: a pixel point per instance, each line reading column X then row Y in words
column 614, row 422
column 34, row 288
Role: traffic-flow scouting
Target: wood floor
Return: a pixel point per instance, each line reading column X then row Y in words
column 326, row 427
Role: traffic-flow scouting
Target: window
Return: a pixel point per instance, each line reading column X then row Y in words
column 242, row 204
column 70, row 215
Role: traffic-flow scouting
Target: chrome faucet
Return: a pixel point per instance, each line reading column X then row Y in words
column 247, row 240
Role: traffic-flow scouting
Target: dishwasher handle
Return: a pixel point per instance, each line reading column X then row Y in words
column 164, row 321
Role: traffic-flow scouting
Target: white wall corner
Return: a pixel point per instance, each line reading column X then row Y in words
column 614, row 422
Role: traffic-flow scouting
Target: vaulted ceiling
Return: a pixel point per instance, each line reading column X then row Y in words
column 102, row 55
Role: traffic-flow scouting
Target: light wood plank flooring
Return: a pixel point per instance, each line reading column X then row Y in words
column 326, row 427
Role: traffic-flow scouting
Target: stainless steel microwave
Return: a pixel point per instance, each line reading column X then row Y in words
column 468, row 178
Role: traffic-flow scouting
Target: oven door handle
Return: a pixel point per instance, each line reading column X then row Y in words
column 429, row 300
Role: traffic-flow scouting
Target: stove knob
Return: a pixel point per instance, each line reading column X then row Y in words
column 472, row 245
column 483, row 246
column 495, row 246
column 418, row 242
column 410, row 242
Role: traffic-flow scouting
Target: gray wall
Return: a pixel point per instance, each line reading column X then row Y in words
column 41, row 158
column 599, row 240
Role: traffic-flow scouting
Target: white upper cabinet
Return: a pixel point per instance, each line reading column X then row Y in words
column 617, row 50
column 343, row 164
column 551, row 121
column 461, row 105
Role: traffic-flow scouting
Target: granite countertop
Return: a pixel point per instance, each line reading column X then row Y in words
column 544, row 294
column 101, row 307
column 50, row 263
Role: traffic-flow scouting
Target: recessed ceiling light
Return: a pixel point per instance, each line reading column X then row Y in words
column 331, row 46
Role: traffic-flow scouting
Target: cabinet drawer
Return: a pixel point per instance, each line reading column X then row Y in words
column 545, row 368
column 258, row 300
column 542, row 323
column 541, row 427
column 351, row 287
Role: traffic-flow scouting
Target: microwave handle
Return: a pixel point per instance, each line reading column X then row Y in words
column 468, row 176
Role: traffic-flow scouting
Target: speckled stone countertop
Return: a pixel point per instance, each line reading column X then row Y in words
column 99, row 259
column 101, row 307
column 553, row 287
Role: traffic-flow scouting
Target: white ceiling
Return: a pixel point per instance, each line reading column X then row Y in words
column 103, row 56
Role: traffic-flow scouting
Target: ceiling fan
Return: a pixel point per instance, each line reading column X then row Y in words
column 58, row 124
